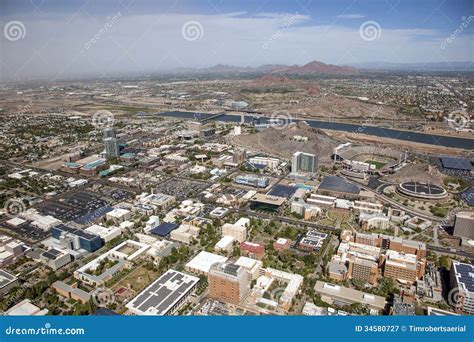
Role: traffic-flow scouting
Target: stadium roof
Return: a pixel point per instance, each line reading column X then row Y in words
column 281, row 190
column 164, row 229
column 468, row 196
column 460, row 164
column 338, row 184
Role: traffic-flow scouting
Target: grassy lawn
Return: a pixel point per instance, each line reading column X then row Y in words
column 138, row 279
column 377, row 164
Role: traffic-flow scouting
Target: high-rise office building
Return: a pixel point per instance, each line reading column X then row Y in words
column 228, row 282
column 239, row 156
column 304, row 162
column 464, row 224
column 111, row 147
column 109, row 132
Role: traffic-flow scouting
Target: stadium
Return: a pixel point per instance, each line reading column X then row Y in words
column 358, row 161
column 421, row 190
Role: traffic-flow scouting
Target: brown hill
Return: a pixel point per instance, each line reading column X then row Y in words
column 281, row 142
column 316, row 67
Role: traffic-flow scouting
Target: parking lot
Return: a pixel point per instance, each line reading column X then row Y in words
column 181, row 188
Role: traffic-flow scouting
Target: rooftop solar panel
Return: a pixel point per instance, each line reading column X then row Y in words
column 163, row 294
column 465, row 274
column 456, row 163
column 164, row 229
column 281, row 190
column 338, row 184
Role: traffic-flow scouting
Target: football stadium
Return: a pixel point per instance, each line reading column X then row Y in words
column 358, row 161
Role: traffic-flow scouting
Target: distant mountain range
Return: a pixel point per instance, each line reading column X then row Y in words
column 316, row 67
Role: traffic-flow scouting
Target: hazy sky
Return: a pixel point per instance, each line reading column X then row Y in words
column 59, row 39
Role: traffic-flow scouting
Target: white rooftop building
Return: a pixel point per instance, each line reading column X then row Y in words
column 25, row 308
column 202, row 262
column 106, row 233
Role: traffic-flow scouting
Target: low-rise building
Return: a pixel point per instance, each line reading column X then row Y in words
column 7, row 282
column 202, row 262
column 71, row 291
column 55, row 258
column 119, row 215
column 165, row 295
column 11, row 250
column 252, row 249
column 252, row 266
column 25, row 308
column 282, row 244
column 106, row 233
column 238, row 230
column 374, row 221
column 225, row 244
column 341, row 295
